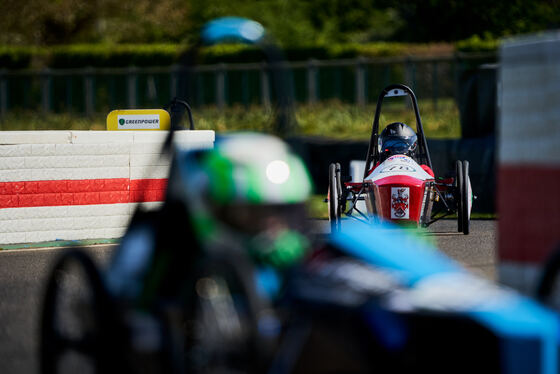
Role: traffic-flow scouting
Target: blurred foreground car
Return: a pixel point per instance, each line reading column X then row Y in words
column 376, row 298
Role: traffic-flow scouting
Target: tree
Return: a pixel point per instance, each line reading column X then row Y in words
column 449, row 20
column 47, row 22
column 292, row 22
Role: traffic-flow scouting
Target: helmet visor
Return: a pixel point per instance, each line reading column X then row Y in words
column 398, row 145
column 276, row 234
column 254, row 218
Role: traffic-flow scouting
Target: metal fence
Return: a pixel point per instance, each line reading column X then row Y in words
column 99, row 90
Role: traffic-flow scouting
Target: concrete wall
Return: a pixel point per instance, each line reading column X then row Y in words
column 69, row 185
column 529, row 157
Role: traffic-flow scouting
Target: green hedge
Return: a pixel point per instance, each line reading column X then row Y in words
column 16, row 57
column 477, row 44
column 100, row 55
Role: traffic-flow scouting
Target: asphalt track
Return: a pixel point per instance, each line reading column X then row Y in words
column 23, row 274
column 476, row 251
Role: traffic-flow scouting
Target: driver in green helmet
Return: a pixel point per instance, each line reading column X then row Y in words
column 247, row 194
column 250, row 189
column 239, row 204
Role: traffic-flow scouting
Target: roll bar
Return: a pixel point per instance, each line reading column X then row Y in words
column 393, row 90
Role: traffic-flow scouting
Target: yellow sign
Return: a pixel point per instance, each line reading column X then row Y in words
column 138, row 119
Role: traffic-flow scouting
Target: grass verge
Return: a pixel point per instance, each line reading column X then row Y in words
column 332, row 119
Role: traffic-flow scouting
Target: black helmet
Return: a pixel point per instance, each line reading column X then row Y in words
column 397, row 138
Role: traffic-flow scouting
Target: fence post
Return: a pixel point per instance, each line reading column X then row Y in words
column 112, row 96
column 245, row 88
column 265, row 86
column 386, row 75
column 221, row 86
column 89, row 95
column 68, row 93
column 131, row 80
column 435, row 84
column 457, row 67
column 46, row 90
column 360, row 83
column 3, row 93
column 199, row 79
column 151, row 88
column 410, row 68
column 175, row 69
column 311, row 81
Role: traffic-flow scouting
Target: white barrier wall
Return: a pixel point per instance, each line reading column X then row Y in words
column 529, row 157
column 70, row 185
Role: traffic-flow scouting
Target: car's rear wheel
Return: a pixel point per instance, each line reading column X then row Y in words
column 333, row 197
column 465, row 199
column 459, row 186
column 75, row 320
column 226, row 319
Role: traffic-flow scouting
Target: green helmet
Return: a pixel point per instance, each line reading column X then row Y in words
column 253, row 187
column 255, row 169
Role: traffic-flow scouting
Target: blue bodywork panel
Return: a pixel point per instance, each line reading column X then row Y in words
column 528, row 331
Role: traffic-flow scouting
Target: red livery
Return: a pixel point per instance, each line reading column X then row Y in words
column 401, row 187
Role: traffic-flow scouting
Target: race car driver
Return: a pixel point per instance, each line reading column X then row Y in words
column 399, row 139
column 226, row 208
column 248, row 193
column 250, row 186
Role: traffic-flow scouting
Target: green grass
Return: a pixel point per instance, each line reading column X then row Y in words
column 330, row 119
column 317, row 208
column 27, row 120
column 346, row 121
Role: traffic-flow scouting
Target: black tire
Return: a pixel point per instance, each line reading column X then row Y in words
column 226, row 283
column 459, row 185
column 77, row 328
column 341, row 194
column 334, row 199
column 465, row 198
column 548, row 278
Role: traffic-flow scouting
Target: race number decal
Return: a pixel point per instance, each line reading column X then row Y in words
column 397, row 168
column 399, row 202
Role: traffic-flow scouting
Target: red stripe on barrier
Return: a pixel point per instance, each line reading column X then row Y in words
column 114, row 197
column 529, row 212
column 80, row 192
column 54, row 186
column 148, row 184
column 9, row 201
column 119, row 184
column 148, row 195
